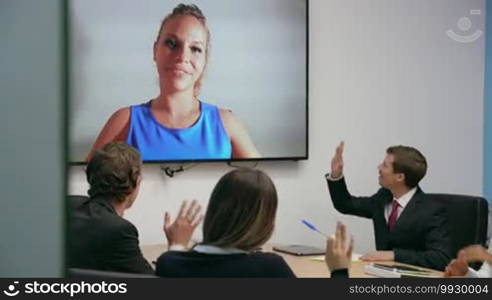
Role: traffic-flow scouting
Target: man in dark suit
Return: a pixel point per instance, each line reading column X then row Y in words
column 409, row 227
column 99, row 237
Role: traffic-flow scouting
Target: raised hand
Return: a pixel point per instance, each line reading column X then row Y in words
column 337, row 162
column 180, row 231
column 338, row 254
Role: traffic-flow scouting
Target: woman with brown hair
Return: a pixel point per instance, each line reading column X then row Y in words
column 240, row 218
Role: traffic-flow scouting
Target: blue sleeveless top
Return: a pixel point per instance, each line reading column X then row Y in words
column 206, row 139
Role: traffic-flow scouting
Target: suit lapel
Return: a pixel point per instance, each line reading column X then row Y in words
column 380, row 224
column 407, row 217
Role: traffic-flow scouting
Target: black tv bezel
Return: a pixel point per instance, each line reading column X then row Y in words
column 68, row 81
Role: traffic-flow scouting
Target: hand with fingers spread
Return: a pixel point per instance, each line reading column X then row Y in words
column 338, row 254
column 337, row 162
column 180, row 231
column 458, row 266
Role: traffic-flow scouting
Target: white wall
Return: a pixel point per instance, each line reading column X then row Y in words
column 382, row 72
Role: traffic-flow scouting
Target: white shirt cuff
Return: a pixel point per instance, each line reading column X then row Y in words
column 177, row 247
column 331, row 178
column 471, row 273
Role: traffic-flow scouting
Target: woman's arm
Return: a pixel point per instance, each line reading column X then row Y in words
column 116, row 129
column 242, row 145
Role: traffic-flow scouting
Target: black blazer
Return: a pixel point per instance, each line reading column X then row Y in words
column 195, row 264
column 257, row 264
column 99, row 239
column 421, row 235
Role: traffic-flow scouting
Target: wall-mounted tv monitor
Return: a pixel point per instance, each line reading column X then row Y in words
column 232, row 86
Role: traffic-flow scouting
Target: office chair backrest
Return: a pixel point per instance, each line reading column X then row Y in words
column 467, row 219
column 87, row 273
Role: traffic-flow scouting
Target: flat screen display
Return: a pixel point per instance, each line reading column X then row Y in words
column 217, row 80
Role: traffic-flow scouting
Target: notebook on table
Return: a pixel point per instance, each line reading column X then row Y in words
column 298, row 250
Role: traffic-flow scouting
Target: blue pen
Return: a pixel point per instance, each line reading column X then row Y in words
column 313, row 228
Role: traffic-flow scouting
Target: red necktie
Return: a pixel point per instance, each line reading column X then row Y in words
column 393, row 215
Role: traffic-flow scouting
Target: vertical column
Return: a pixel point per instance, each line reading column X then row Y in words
column 487, row 110
column 487, row 176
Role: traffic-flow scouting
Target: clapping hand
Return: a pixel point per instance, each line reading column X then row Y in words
column 180, row 231
column 338, row 254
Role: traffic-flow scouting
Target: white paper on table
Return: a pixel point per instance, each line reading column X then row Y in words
column 355, row 257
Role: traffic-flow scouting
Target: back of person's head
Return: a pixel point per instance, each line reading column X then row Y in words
column 410, row 162
column 114, row 171
column 241, row 211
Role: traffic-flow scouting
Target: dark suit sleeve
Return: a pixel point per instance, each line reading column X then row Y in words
column 341, row 273
column 126, row 255
column 437, row 253
column 348, row 204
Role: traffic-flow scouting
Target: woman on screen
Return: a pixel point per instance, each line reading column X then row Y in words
column 176, row 125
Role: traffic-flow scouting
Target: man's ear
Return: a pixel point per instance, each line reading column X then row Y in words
column 137, row 183
column 400, row 177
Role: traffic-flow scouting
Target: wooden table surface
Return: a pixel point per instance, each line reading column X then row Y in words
column 303, row 266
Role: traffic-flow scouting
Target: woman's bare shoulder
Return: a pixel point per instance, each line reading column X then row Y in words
column 242, row 144
column 228, row 117
column 117, row 126
column 122, row 115
column 115, row 129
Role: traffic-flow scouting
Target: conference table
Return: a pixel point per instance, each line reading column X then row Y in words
column 303, row 266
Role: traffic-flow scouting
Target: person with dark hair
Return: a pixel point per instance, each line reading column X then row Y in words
column 177, row 125
column 239, row 220
column 409, row 226
column 99, row 237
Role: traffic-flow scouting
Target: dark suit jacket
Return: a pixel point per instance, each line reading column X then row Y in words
column 421, row 235
column 99, row 239
column 195, row 264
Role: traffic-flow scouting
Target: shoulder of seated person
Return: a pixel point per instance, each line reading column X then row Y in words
column 268, row 256
column 173, row 253
column 122, row 226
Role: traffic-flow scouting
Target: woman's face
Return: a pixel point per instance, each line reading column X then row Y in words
column 180, row 53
